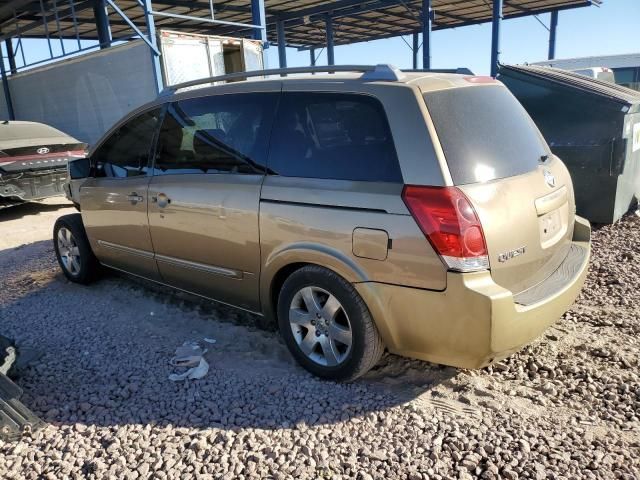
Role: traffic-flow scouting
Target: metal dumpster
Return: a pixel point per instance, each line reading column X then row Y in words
column 593, row 126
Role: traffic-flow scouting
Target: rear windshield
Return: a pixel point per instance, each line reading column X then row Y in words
column 485, row 133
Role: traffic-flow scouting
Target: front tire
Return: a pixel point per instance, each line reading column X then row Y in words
column 73, row 251
column 326, row 325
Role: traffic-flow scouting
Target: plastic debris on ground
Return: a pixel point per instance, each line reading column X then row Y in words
column 189, row 356
column 16, row 419
column 8, row 355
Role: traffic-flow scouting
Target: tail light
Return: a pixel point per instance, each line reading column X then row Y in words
column 448, row 220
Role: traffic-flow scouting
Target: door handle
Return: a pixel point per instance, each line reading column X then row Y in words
column 134, row 198
column 161, row 199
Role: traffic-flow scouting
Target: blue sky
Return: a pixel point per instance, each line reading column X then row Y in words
column 612, row 28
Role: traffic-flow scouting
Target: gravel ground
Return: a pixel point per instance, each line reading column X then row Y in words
column 568, row 406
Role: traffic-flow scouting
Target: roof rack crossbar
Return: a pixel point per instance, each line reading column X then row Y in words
column 370, row 72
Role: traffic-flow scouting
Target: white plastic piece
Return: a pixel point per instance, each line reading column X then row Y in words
column 194, row 373
column 385, row 73
column 186, row 361
column 189, row 355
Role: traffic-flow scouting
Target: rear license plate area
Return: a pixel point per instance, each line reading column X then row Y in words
column 553, row 226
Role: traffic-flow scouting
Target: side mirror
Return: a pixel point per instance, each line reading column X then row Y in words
column 80, row 168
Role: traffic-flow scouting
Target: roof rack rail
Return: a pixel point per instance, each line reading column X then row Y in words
column 370, row 72
column 459, row 70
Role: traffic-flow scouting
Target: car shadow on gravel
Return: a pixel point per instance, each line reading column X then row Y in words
column 106, row 350
column 31, row 208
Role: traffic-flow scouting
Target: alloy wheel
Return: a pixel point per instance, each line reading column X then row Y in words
column 69, row 251
column 320, row 326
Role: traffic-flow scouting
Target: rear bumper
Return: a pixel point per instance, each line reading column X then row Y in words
column 33, row 185
column 474, row 322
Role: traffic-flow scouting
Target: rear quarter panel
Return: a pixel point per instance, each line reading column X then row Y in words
column 313, row 221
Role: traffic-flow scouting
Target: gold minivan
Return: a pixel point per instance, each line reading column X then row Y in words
column 359, row 210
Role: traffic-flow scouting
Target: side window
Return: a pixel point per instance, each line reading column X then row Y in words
column 218, row 134
column 126, row 152
column 627, row 77
column 334, row 136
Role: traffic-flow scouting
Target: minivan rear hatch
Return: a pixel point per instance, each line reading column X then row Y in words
column 522, row 195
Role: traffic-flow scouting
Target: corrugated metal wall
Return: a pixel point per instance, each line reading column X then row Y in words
column 4, row 114
column 86, row 95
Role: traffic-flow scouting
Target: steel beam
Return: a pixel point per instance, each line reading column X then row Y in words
column 331, row 59
column 190, row 18
column 414, row 49
column 282, row 45
column 298, row 17
column 495, row 36
column 46, row 28
column 426, row 34
column 553, row 27
column 333, row 8
column 5, row 86
column 148, row 14
column 259, row 17
column 312, row 57
column 102, row 23
column 24, row 29
column 147, row 7
column 11, row 55
column 436, row 27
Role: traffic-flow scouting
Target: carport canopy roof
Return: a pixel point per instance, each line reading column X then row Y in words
column 353, row 20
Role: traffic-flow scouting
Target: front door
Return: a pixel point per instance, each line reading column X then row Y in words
column 204, row 195
column 115, row 198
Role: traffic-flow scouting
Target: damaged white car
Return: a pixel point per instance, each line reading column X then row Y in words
column 33, row 161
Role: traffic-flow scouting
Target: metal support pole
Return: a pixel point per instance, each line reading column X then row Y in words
column 12, row 56
column 282, row 44
column 553, row 27
column 102, row 23
column 151, row 33
column 5, row 86
column 414, row 50
column 495, row 36
column 43, row 13
column 57, row 17
column 259, row 17
column 75, row 24
column 427, row 18
column 331, row 59
column 19, row 46
column 312, row 57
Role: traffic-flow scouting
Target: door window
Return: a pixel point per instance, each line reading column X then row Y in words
column 217, row 134
column 126, row 152
column 334, row 136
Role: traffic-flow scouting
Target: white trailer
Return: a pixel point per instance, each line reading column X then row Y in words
column 85, row 95
column 188, row 57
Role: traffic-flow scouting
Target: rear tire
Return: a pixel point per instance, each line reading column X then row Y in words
column 73, row 251
column 326, row 325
